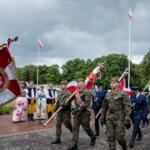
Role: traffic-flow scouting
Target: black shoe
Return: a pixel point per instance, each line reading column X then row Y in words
column 57, row 141
column 93, row 139
column 74, row 147
column 131, row 145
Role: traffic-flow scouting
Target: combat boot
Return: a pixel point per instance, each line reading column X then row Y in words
column 73, row 147
column 56, row 141
column 139, row 135
column 131, row 145
column 93, row 139
column 124, row 145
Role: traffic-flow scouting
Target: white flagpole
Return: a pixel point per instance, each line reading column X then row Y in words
column 38, row 53
column 129, row 54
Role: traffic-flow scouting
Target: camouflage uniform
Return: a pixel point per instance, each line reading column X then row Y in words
column 83, row 117
column 116, row 108
column 64, row 116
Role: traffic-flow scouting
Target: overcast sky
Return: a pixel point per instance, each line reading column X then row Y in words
column 74, row 29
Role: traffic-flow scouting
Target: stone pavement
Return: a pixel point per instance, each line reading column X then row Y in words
column 40, row 140
column 33, row 136
column 7, row 127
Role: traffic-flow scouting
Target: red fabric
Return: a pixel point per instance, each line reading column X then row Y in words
column 5, row 58
column 13, row 86
column 128, row 92
column 121, row 83
column 72, row 86
column 79, row 100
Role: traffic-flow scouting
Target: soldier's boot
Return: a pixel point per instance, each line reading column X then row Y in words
column 96, row 128
column 131, row 144
column 93, row 139
column 56, row 141
column 123, row 145
column 139, row 135
column 73, row 147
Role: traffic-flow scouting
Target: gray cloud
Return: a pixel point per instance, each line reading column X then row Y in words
column 74, row 28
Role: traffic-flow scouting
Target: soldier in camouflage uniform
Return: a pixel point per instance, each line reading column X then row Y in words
column 116, row 108
column 64, row 116
column 81, row 115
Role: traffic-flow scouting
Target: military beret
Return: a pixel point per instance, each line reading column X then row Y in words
column 63, row 82
column 80, row 79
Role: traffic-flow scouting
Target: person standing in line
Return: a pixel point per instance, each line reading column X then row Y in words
column 31, row 95
column 116, row 109
column 98, row 98
column 51, row 97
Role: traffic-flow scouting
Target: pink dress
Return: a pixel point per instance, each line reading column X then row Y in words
column 20, row 109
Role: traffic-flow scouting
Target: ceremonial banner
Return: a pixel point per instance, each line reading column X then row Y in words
column 9, row 86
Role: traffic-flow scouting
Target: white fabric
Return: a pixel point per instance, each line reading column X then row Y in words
column 41, row 106
column 20, row 109
column 11, row 71
column 5, row 95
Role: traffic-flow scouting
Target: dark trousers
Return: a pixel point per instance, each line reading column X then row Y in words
column 97, row 123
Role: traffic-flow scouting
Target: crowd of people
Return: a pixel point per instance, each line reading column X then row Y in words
column 112, row 108
column 34, row 103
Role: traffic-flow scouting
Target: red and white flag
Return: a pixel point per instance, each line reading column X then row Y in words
column 89, row 82
column 9, row 86
column 40, row 44
column 130, row 15
column 122, row 83
column 72, row 86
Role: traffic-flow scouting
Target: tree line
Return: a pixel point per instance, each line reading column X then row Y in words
column 115, row 64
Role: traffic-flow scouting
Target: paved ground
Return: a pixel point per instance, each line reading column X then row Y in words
column 40, row 140
column 7, row 127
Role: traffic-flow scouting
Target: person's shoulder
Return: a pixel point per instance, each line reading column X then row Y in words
column 143, row 96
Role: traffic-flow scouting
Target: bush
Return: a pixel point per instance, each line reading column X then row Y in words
column 6, row 108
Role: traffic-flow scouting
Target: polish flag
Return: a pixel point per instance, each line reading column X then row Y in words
column 40, row 44
column 72, row 86
column 128, row 91
column 9, row 86
column 89, row 82
column 122, row 80
column 130, row 15
column 122, row 84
